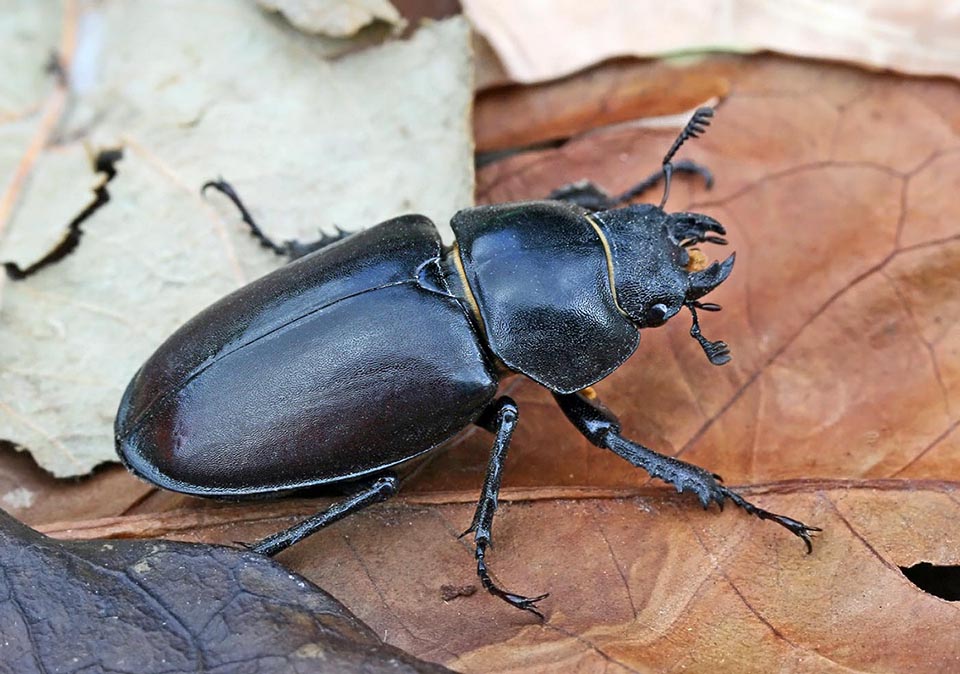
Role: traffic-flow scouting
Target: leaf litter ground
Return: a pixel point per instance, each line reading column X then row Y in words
column 840, row 408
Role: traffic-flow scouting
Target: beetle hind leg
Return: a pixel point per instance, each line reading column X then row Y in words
column 501, row 419
column 291, row 249
column 602, row 428
column 379, row 490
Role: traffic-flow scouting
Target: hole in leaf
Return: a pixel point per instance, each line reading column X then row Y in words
column 940, row 581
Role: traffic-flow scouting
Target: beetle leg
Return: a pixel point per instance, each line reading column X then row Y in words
column 105, row 163
column 654, row 179
column 587, row 195
column 501, row 419
column 584, row 194
column 602, row 428
column 290, row 249
column 380, row 490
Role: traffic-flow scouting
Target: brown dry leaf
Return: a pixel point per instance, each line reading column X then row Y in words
column 842, row 312
column 839, row 408
column 335, row 18
column 539, row 41
column 642, row 584
column 613, row 93
column 310, row 144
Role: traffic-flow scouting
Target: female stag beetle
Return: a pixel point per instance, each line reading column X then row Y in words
column 316, row 374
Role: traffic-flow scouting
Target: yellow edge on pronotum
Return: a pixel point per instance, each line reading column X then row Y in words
column 471, row 300
column 609, row 256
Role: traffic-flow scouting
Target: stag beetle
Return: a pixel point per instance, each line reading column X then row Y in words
column 368, row 350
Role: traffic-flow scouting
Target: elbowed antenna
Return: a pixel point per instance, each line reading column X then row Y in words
column 717, row 352
column 697, row 125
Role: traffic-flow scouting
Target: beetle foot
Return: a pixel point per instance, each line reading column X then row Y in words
column 291, row 248
column 523, row 603
column 796, row 527
column 518, row 600
column 708, row 488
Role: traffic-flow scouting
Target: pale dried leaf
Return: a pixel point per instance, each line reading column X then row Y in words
column 72, row 336
column 308, row 143
column 539, row 41
column 336, row 18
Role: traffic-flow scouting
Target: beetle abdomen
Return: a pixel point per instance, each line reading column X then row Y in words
column 381, row 371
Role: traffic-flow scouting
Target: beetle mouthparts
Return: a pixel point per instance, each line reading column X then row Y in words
column 697, row 260
column 688, row 229
column 702, row 282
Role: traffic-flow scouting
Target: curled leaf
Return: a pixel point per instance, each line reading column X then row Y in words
column 335, row 18
column 155, row 606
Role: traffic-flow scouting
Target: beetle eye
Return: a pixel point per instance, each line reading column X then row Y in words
column 658, row 312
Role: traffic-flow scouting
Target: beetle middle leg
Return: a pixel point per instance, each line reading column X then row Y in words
column 501, row 419
column 379, row 490
column 291, row 248
column 602, row 428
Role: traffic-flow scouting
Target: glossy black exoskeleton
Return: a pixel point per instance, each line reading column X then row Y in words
column 364, row 353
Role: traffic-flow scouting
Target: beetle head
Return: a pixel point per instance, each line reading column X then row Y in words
column 657, row 270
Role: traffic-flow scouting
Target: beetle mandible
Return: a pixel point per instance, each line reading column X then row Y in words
column 295, row 380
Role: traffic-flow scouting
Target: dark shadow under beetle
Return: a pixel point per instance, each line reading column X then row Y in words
column 368, row 350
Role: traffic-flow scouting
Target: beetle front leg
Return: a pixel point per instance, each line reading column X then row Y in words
column 291, row 249
column 587, row 195
column 602, row 428
column 501, row 419
column 379, row 490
